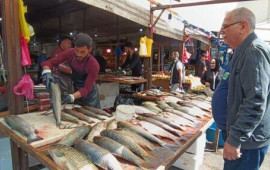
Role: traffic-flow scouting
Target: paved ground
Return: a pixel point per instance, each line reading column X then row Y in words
column 214, row 160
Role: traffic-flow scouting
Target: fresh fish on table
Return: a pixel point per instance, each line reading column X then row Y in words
column 78, row 133
column 153, row 108
column 138, row 138
column 17, row 123
column 99, row 156
column 202, row 104
column 146, row 135
column 95, row 131
column 120, row 150
column 69, row 118
column 89, row 113
column 182, row 114
column 165, row 120
column 70, row 159
column 179, row 119
column 161, row 124
column 79, row 115
column 149, row 103
column 55, row 95
column 112, row 124
column 122, row 138
column 162, row 105
column 97, row 111
column 158, row 131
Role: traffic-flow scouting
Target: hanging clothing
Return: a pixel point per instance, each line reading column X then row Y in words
column 26, row 61
column 24, row 29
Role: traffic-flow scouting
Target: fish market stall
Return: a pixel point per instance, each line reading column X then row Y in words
column 161, row 131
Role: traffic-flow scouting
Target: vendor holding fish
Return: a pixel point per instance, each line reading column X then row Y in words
column 85, row 70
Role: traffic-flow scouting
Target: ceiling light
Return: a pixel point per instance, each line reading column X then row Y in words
column 136, row 49
column 95, row 35
column 0, row 19
column 141, row 29
column 71, row 33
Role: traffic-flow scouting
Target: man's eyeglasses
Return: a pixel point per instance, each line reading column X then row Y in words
column 227, row 26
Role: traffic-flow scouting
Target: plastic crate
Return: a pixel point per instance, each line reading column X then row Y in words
column 210, row 135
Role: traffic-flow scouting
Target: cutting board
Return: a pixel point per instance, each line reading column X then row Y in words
column 46, row 127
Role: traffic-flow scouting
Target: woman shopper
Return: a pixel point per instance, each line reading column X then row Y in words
column 212, row 76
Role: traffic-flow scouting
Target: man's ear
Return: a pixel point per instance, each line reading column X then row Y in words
column 245, row 26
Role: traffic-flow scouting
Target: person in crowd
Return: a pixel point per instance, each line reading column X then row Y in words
column 63, row 71
column 132, row 63
column 177, row 73
column 248, row 102
column 101, row 61
column 42, row 57
column 212, row 76
column 200, row 66
column 85, row 70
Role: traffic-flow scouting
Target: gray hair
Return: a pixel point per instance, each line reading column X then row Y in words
column 83, row 39
column 244, row 14
column 176, row 53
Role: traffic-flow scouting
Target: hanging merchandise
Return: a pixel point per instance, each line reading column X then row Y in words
column 149, row 43
column 23, row 24
column 26, row 61
column 186, row 56
column 143, row 48
column 25, row 87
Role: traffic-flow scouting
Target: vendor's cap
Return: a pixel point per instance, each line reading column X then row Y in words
column 83, row 39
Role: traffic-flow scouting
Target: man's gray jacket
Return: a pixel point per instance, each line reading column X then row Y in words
column 248, row 107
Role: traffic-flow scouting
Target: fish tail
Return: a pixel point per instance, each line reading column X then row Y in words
column 31, row 139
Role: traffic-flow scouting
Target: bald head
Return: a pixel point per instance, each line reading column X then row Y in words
column 244, row 14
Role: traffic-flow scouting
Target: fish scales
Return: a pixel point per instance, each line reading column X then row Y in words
column 70, row 159
column 78, row 115
column 98, row 155
column 78, row 133
column 160, row 124
column 97, row 111
column 95, row 131
column 89, row 113
column 120, row 150
column 138, row 138
column 17, row 123
column 55, row 94
column 127, row 141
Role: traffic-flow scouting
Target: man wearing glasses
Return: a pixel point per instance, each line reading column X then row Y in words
column 248, row 104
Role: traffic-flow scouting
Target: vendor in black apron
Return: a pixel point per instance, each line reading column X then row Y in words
column 85, row 70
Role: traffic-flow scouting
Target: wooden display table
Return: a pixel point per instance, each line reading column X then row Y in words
column 41, row 153
column 124, row 79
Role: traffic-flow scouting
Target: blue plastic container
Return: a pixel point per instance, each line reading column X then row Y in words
column 210, row 135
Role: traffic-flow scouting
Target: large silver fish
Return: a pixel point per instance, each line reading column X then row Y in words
column 95, row 131
column 70, row 159
column 74, row 135
column 79, row 115
column 55, row 95
column 147, row 135
column 120, row 150
column 138, row 139
column 98, row 155
column 97, row 111
column 127, row 141
column 17, row 123
column 158, row 131
column 89, row 113
column 161, row 124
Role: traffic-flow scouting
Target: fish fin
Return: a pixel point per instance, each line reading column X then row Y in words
column 37, row 138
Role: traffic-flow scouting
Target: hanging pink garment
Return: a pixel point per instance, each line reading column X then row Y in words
column 25, row 87
column 208, row 55
column 26, row 61
column 186, row 56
